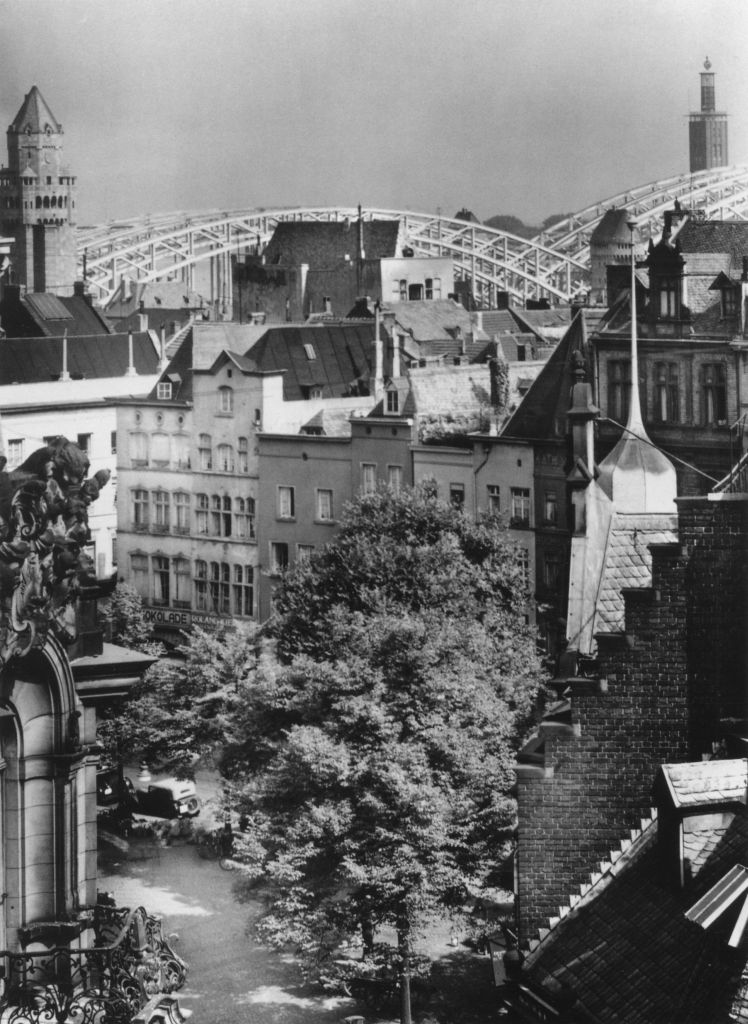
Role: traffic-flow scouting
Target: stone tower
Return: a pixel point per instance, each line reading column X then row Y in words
column 707, row 128
column 37, row 201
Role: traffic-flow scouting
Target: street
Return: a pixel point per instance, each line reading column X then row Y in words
column 231, row 980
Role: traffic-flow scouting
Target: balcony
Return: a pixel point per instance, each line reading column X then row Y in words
column 127, row 975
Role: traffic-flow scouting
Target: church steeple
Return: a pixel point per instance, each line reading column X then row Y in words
column 635, row 475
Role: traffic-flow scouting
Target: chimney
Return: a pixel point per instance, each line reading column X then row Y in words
column 142, row 321
column 163, row 361
column 361, row 252
column 131, row 371
column 378, row 382
column 79, row 289
column 65, row 375
column 395, row 354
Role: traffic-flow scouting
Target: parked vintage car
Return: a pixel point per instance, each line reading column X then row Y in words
column 113, row 790
column 167, row 798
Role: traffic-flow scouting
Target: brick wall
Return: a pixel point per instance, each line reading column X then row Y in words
column 657, row 696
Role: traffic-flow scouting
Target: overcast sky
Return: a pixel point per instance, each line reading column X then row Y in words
column 530, row 107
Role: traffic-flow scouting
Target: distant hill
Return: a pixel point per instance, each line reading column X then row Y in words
column 507, row 222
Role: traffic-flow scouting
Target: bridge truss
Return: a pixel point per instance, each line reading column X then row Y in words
column 553, row 265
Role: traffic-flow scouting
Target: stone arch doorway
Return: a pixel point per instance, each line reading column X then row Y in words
column 41, row 792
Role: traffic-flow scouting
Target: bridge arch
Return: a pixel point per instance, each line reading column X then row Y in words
column 553, row 265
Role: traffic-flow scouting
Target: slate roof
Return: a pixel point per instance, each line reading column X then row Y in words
column 498, row 321
column 323, row 244
column 29, row 360
column 435, row 320
column 39, row 315
column 628, row 562
column 714, row 236
column 342, row 356
column 707, row 782
column 154, row 295
column 548, row 400
column 158, row 317
column 632, row 957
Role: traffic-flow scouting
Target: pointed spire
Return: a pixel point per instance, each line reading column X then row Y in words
column 35, row 115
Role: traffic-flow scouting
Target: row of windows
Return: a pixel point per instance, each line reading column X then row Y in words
column 162, row 450
column 217, row 587
column 666, row 392
column 216, row 515
column 430, row 289
column 19, row 448
column 323, row 503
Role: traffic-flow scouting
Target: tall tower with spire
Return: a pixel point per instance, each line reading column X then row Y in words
column 37, row 201
column 707, row 128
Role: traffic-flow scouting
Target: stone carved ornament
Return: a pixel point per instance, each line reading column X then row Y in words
column 43, row 533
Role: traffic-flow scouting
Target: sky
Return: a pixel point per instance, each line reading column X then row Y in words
column 524, row 107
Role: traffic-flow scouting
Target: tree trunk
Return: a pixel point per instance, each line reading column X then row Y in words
column 367, row 934
column 403, row 943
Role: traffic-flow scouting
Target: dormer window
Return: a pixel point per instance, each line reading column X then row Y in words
column 163, row 390
column 393, row 402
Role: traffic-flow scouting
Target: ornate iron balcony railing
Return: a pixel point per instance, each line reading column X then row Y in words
column 107, row 983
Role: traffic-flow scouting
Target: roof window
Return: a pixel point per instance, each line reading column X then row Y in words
column 309, row 351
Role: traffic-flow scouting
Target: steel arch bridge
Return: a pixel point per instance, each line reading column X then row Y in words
column 553, row 265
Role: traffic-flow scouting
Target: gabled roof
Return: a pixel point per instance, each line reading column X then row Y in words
column 548, row 400
column 631, row 956
column 35, row 114
column 330, row 357
column 28, row 360
column 322, row 244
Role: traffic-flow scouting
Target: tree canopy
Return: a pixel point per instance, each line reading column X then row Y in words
column 378, row 750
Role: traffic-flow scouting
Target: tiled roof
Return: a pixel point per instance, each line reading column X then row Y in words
column 157, row 318
column 323, row 244
column 631, row 956
column 707, row 782
column 154, row 295
column 27, row 360
column 340, row 356
column 628, row 562
column 39, row 315
column 716, row 236
column 498, row 321
column 434, row 320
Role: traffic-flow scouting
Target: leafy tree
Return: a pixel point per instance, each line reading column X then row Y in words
column 177, row 713
column 377, row 755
